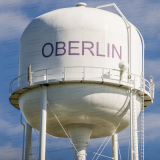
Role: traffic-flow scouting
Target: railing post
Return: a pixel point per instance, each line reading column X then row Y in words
column 46, row 77
column 151, row 88
column 144, row 84
column 102, row 74
column 64, row 73
column 109, row 74
column 10, row 90
column 140, row 82
column 134, row 81
column 83, row 73
column 29, row 75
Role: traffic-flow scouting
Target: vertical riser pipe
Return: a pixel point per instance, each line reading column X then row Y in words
column 115, row 147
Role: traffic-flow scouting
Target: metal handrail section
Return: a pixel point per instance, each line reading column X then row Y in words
column 68, row 73
column 128, row 27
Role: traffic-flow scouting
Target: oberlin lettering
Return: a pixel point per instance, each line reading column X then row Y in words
column 77, row 48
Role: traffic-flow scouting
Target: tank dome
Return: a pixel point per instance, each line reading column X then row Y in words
column 78, row 36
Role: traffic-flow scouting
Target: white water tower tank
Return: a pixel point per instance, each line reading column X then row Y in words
column 76, row 53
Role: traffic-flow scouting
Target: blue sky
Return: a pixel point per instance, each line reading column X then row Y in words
column 15, row 15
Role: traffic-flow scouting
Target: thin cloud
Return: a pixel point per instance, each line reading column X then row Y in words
column 152, row 68
column 10, row 152
column 15, row 3
column 12, row 25
column 10, row 128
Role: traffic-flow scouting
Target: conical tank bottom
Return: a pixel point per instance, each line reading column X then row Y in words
column 80, row 135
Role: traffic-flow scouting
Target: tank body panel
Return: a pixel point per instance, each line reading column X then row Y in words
column 100, row 106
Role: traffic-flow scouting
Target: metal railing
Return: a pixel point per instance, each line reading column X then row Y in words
column 80, row 73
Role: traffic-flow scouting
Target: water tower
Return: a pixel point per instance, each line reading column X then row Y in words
column 81, row 76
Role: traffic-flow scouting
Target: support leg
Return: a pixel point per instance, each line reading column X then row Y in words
column 135, row 135
column 43, row 120
column 115, row 147
column 28, row 142
column 131, row 128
